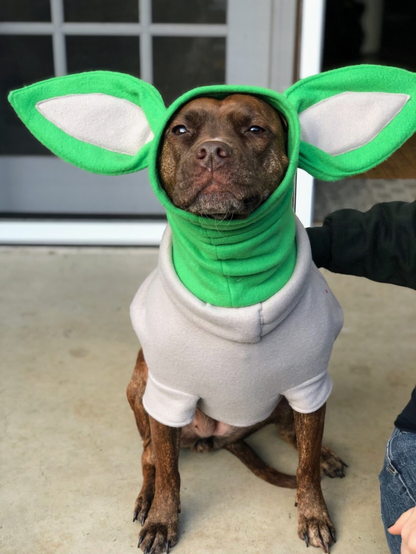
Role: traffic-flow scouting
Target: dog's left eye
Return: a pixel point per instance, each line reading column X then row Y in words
column 256, row 130
column 179, row 130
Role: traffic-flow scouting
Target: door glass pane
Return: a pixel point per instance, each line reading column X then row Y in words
column 182, row 63
column 375, row 33
column 189, row 11
column 23, row 60
column 25, row 10
column 113, row 53
column 102, row 11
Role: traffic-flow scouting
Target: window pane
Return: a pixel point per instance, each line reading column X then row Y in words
column 25, row 10
column 88, row 53
column 102, row 11
column 189, row 11
column 182, row 63
column 23, row 60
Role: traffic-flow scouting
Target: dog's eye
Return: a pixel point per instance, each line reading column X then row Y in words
column 256, row 130
column 179, row 130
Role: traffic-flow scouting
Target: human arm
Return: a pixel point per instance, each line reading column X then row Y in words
column 406, row 527
column 379, row 244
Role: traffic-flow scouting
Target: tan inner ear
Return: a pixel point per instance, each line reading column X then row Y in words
column 114, row 124
column 347, row 121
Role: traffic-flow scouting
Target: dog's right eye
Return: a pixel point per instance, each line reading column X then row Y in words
column 179, row 130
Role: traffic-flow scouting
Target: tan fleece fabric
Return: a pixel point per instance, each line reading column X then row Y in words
column 112, row 123
column 235, row 363
column 349, row 120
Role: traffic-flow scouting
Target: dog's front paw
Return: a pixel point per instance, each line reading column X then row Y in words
column 143, row 504
column 160, row 531
column 315, row 526
column 318, row 532
column 331, row 463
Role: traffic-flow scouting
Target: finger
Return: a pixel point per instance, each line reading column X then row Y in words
column 397, row 527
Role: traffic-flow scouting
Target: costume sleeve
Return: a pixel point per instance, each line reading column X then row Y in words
column 168, row 406
column 310, row 395
column 379, row 244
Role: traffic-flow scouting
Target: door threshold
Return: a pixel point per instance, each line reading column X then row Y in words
column 81, row 233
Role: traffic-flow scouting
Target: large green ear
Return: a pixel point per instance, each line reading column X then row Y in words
column 100, row 121
column 353, row 118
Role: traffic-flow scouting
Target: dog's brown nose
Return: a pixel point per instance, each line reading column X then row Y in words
column 212, row 153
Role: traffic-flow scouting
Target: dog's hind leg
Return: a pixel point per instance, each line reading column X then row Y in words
column 331, row 464
column 246, row 454
column 135, row 391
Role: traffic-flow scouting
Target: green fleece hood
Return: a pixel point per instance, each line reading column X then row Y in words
column 340, row 123
column 240, row 262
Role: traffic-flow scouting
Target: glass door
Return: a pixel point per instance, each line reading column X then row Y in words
column 176, row 45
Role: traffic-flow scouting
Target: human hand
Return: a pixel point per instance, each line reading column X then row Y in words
column 406, row 527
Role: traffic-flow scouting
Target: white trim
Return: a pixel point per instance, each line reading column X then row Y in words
column 311, row 41
column 146, row 46
column 188, row 30
column 58, row 37
column 155, row 29
column 26, row 28
column 100, row 233
column 313, row 13
column 282, row 44
column 304, row 197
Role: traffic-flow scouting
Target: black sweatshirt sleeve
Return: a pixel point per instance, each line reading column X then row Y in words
column 379, row 244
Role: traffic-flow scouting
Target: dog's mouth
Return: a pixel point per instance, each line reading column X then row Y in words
column 218, row 202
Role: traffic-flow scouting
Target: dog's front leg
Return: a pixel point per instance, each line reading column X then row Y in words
column 160, row 530
column 314, row 524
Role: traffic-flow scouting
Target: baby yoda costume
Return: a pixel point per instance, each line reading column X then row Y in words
column 236, row 314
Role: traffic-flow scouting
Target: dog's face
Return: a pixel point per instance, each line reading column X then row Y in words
column 223, row 158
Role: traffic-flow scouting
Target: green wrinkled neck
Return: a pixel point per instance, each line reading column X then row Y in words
column 236, row 263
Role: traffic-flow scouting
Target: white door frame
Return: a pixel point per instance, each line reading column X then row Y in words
column 310, row 63
column 273, row 47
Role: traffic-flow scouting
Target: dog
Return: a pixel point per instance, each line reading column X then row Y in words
column 221, row 159
column 219, row 154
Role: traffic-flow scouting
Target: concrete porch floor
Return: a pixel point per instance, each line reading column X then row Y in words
column 70, row 451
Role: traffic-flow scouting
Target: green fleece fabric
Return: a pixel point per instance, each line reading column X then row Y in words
column 240, row 263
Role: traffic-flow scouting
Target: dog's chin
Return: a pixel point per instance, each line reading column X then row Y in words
column 224, row 205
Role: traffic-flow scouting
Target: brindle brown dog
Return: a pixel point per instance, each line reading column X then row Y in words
column 222, row 159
